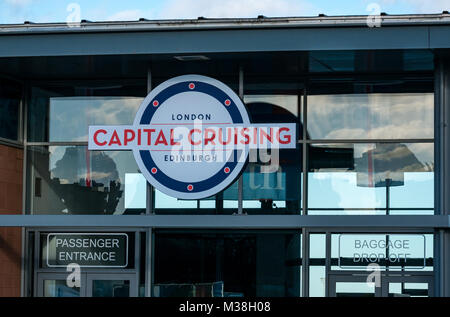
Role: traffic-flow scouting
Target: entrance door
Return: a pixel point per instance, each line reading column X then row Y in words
column 92, row 285
column 352, row 286
column 111, row 285
column 55, row 285
column 407, row 286
column 356, row 285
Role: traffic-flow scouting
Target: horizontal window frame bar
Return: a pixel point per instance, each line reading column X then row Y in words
column 332, row 141
column 300, row 141
column 370, row 209
column 229, row 221
column 10, row 142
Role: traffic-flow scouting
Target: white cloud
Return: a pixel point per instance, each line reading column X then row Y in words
column 427, row 6
column 19, row 3
column 127, row 15
column 422, row 6
column 235, row 8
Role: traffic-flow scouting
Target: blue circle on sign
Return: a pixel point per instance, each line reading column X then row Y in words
column 175, row 98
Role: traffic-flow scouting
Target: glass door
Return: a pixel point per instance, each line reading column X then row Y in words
column 352, row 286
column 111, row 285
column 407, row 286
column 357, row 285
column 55, row 285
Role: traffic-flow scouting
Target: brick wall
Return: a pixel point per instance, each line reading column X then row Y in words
column 11, row 160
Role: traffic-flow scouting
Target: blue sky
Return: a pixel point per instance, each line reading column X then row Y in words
column 18, row 11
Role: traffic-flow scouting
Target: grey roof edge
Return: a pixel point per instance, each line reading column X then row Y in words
column 225, row 23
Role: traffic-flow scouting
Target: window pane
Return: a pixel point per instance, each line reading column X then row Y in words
column 110, row 288
column 371, row 178
column 70, row 117
column 77, row 181
column 59, row 288
column 63, row 112
column 10, row 96
column 227, row 264
column 225, row 202
column 371, row 116
column 272, row 179
column 317, row 269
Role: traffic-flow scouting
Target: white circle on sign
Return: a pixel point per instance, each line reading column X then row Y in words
column 182, row 103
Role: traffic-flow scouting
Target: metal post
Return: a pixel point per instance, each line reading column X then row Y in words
column 148, row 262
column 305, row 156
column 149, row 197
column 305, row 263
column 240, row 181
column 442, row 174
column 149, row 210
column 23, row 137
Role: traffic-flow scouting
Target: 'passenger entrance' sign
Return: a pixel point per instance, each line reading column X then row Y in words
column 87, row 249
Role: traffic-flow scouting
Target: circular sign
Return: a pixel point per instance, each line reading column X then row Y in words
column 190, row 103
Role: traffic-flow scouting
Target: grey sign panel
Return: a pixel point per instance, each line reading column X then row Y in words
column 87, row 249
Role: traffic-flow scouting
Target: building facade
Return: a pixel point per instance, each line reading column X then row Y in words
column 360, row 207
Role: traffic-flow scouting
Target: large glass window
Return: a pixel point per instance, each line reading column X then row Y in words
column 73, row 180
column 214, row 264
column 371, row 116
column 379, row 178
column 63, row 112
column 369, row 145
column 70, row 117
column 10, row 96
column 365, row 143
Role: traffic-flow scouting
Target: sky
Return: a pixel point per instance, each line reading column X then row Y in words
column 18, row 11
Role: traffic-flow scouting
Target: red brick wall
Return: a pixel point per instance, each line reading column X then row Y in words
column 11, row 160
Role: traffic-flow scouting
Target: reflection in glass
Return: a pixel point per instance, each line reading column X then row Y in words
column 370, row 61
column 272, row 179
column 78, row 181
column 70, row 117
column 225, row 202
column 371, row 116
column 355, row 289
column 317, row 269
column 9, row 118
column 110, row 288
column 371, row 178
column 227, row 264
column 408, row 290
column 10, row 96
column 63, row 111
column 59, row 288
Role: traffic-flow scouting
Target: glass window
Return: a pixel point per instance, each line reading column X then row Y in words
column 70, row 117
column 371, row 116
column 380, row 178
column 317, row 269
column 272, row 179
column 63, row 112
column 10, row 96
column 225, row 202
column 227, row 264
column 77, row 181
column 382, row 61
column 59, row 288
column 110, row 288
